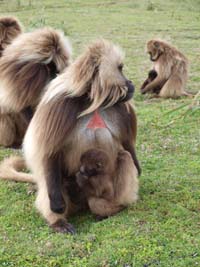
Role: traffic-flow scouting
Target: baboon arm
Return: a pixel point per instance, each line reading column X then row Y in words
column 154, row 85
column 145, row 83
column 129, row 140
column 53, row 178
column 103, row 207
column 130, row 148
column 108, row 192
column 151, row 76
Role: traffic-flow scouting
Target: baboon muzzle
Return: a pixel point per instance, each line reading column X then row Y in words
column 130, row 91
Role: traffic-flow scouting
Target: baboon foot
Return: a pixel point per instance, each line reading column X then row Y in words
column 63, row 227
column 99, row 218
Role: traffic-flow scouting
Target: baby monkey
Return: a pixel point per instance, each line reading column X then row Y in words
column 103, row 184
column 151, row 76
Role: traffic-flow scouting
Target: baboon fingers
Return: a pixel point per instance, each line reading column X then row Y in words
column 63, row 227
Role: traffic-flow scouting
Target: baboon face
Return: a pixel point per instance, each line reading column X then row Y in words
column 111, row 76
column 99, row 74
column 94, row 162
column 155, row 49
column 101, row 69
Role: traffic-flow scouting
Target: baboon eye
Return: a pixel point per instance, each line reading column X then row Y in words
column 99, row 164
column 120, row 67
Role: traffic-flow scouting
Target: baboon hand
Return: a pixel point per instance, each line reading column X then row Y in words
column 143, row 90
column 81, row 179
column 63, row 227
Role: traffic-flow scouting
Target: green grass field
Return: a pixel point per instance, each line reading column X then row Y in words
column 163, row 228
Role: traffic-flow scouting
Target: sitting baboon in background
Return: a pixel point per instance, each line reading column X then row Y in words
column 10, row 28
column 171, row 67
column 27, row 65
column 102, row 181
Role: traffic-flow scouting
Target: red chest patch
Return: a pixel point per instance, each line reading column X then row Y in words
column 96, row 121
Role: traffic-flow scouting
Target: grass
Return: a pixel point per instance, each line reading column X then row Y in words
column 163, row 228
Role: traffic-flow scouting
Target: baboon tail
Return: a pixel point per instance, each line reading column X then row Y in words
column 12, row 169
column 189, row 94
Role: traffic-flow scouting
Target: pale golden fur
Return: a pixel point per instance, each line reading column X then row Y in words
column 11, row 169
column 26, row 67
column 105, row 86
column 172, row 69
column 59, row 124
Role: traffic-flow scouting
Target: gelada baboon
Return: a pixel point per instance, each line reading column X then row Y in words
column 27, row 65
column 85, row 107
column 171, row 67
column 102, row 181
column 11, row 125
column 10, row 28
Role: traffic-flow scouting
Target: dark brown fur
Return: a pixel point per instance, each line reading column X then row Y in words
column 96, row 179
column 151, row 76
column 10, row 28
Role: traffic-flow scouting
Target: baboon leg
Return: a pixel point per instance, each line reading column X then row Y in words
column 103, row 207
column 131, row 149
column 151, row 76
column 155, row 85
column 56, row 221
column 173, row 88
column 7, row 130
column 21, row 126
column 145, row 83
column 126, row 181
column 53, row 178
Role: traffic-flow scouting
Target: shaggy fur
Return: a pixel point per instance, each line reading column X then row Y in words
column 172, row 70
column 15, row 165
column 58, row 134
column 24, row 74
column 12, row 126
column 101, row 182
column 10, row 28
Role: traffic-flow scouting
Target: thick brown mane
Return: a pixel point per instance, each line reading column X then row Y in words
column 10, row 28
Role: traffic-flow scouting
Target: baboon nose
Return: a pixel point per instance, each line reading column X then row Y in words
column 130, row 86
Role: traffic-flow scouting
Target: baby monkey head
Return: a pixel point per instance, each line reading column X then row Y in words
column 94, row 162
